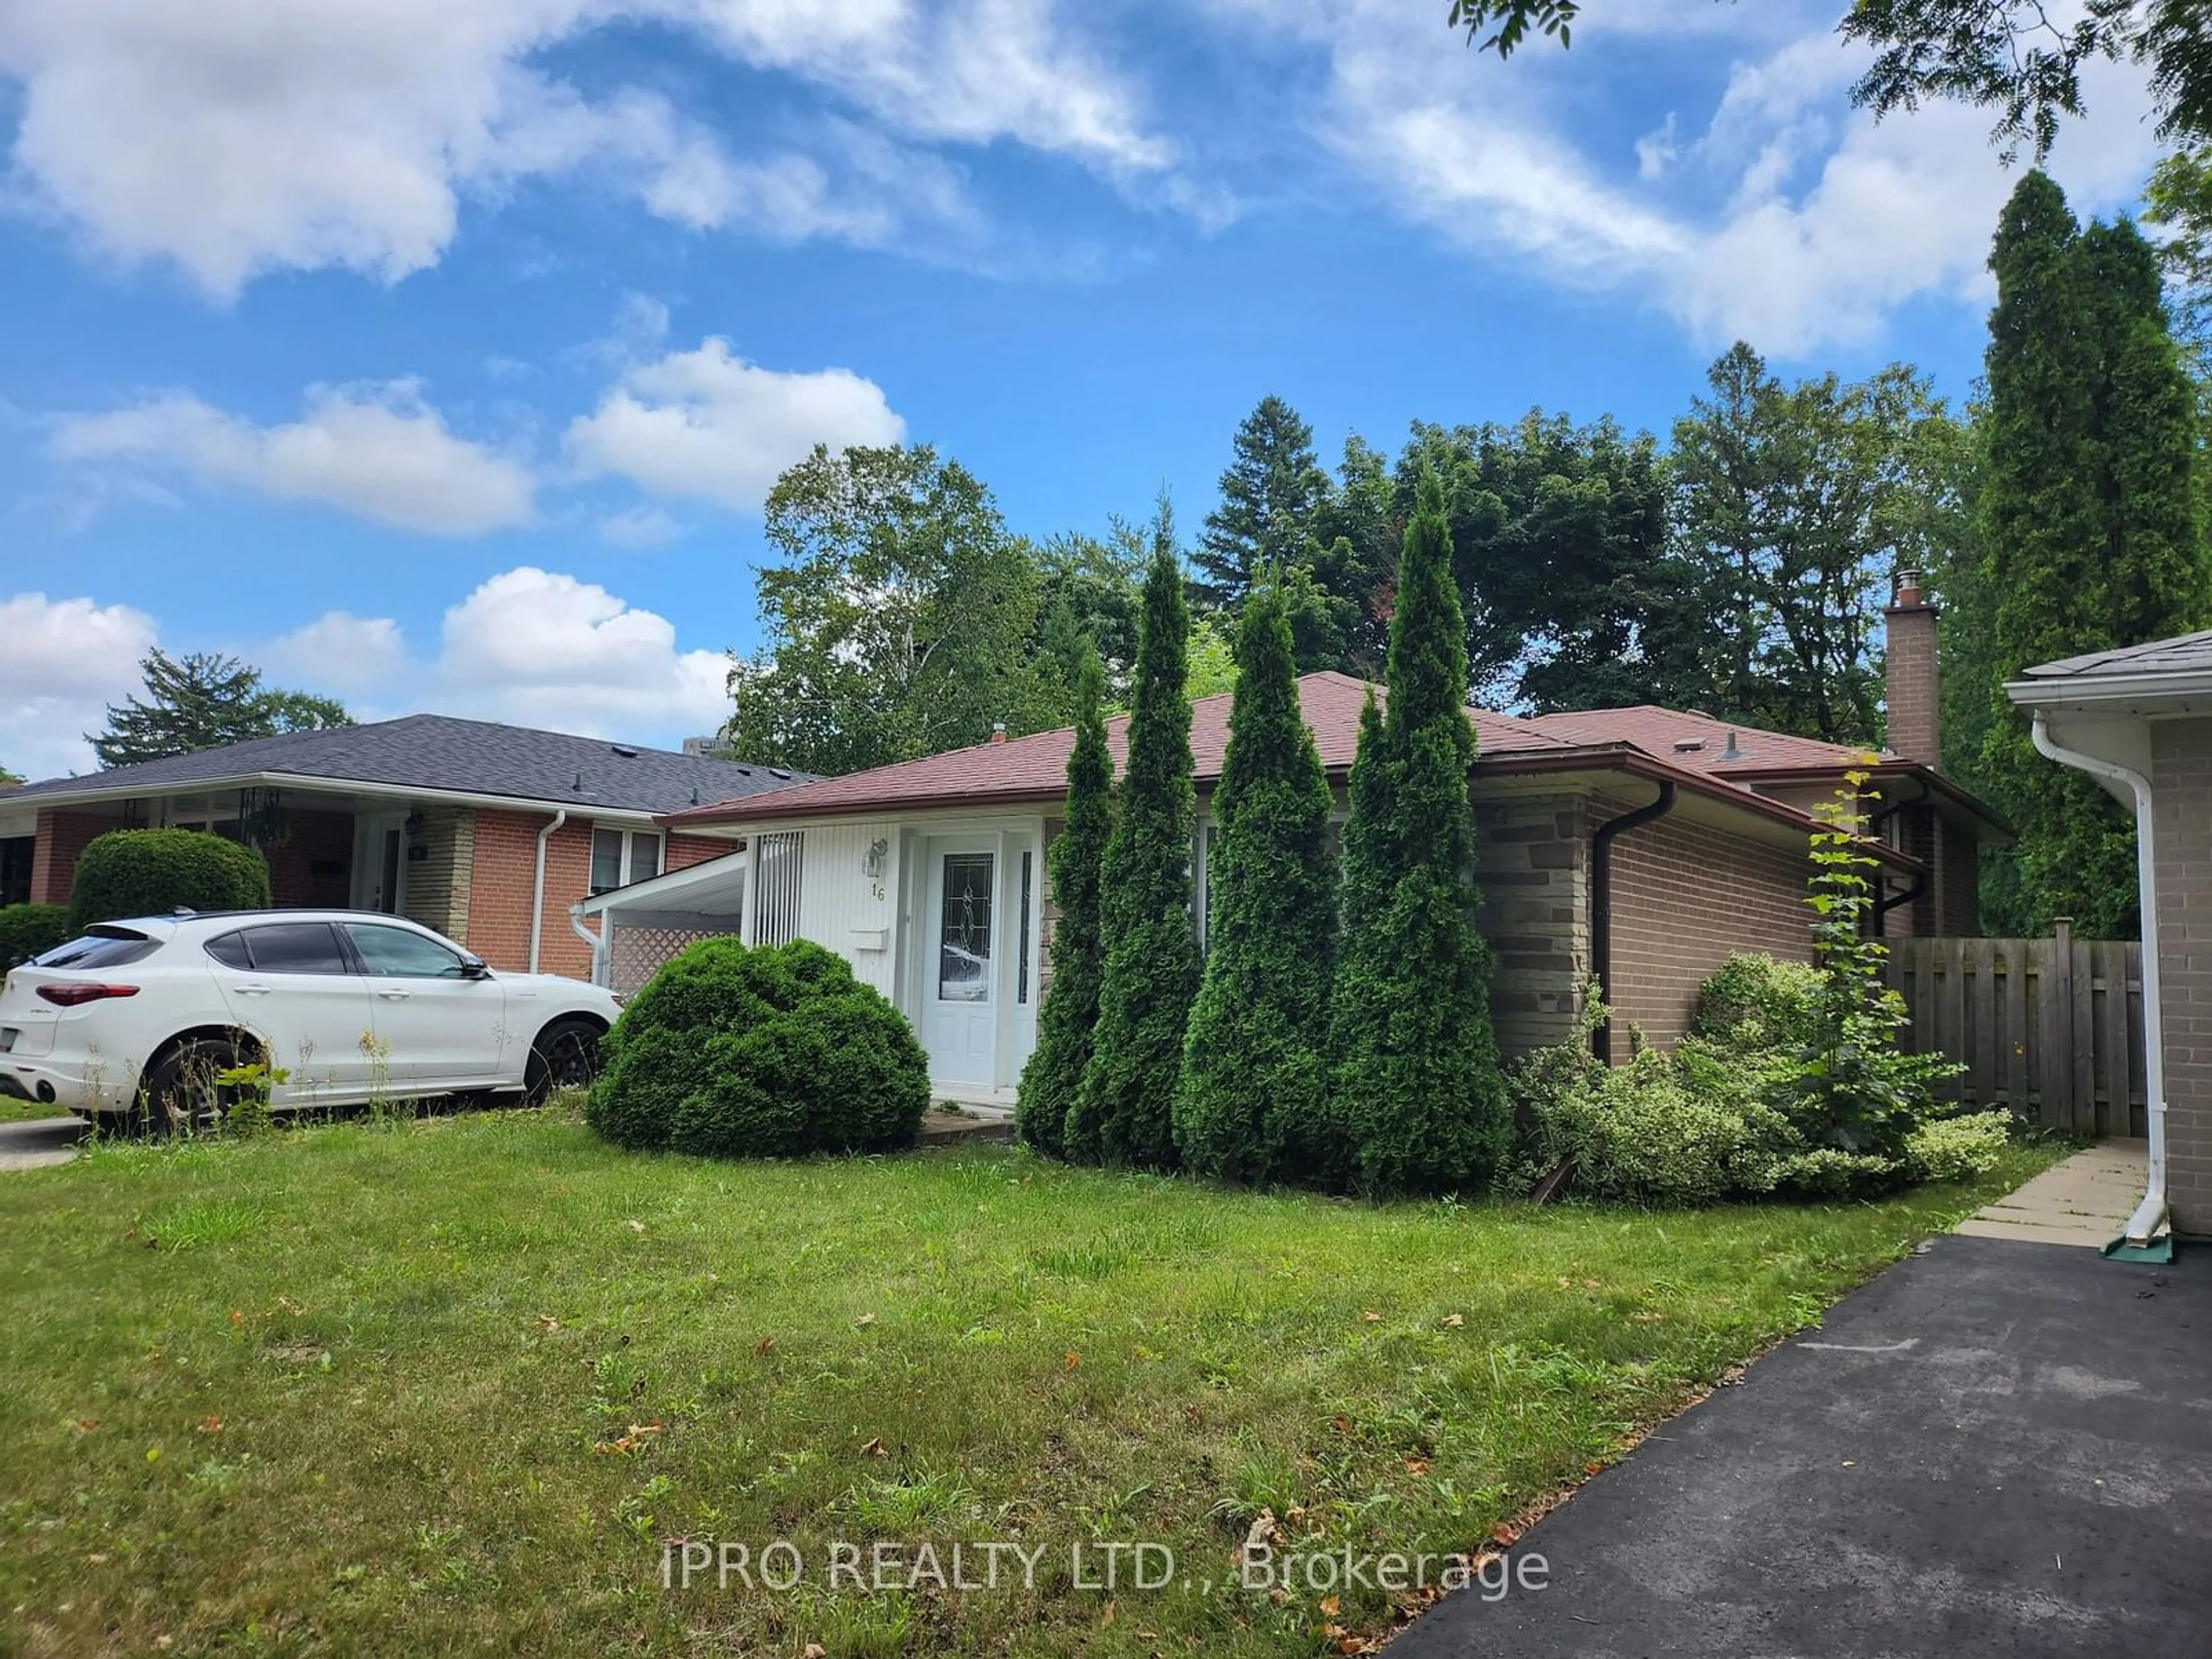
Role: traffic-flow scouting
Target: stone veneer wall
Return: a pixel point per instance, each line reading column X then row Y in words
column 438, row 884
column 1532, row 862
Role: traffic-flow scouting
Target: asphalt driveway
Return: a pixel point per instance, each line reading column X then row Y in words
column 1996, row 1447
column 36, row 1141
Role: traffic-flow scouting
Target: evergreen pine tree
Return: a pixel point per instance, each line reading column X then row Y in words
column 1053, row 1076
column 205, row 701
column 1415, row 1077
column 1126, row 1107
column 1253, row 1075
column 1269, row 498
column 2088, row 531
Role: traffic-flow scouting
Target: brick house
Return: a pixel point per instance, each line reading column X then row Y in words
column 2139, row 720
column 487, row 833
column 1640, row 847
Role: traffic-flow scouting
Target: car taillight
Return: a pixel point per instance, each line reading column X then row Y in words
column 69, row 996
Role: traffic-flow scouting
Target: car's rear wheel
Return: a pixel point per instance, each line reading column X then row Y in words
column 565, row 1056
column 181, row 1095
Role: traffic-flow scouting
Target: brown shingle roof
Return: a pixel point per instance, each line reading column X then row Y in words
column 1036, row 767
column 1661, row 732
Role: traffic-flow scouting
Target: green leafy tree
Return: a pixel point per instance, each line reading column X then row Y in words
column 1574, row 596
column 1358, row 527
column 10, row 779
column 1210, row 660
column 1089, row 606
column 2089, row 530
column 1255, row 1078
column 1126, row 1107
column 1415, row 1079
column 1052, row 1079
column 1793, row 506
column 2014, row 57
column 204, row 701
column 901, row 622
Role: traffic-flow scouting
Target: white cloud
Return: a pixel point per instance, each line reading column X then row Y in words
column 65, row 661
column 529, row 645
column 379, row 452
column 1791, row 220
column 708, row 425
column 265, row 136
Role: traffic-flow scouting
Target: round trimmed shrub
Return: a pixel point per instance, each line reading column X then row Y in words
column 150, row 873
column 1758, row 1003
column 28, row 930
column 775, row 1051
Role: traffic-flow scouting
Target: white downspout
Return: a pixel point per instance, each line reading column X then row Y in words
column 538, row 885
column 602, row 969
column 2150, row 1215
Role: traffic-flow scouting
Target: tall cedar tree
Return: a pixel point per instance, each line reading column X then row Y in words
column 200, row 702
column 1126, row 1106
column 1053, row 1077
column 1274, row 524
column 1254, row 1076
column 1416, row 1078
column 1269, row 497
column 2089, row 530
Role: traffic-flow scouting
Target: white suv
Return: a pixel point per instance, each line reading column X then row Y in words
column 348, row 1005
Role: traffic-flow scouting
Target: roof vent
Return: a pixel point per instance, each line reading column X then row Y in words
column 777, row 772
column 1731, row 752
column 1688, row 745
column 624, row 750
column 747, row 770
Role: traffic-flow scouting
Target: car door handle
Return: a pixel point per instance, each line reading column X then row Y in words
column 395, row 995
column 252, row 990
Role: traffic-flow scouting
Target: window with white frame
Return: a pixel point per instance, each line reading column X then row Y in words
column 620, row 857
column 779, row 864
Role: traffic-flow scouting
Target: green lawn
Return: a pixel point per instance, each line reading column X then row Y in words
column 450, row 1385
column 13, row 1110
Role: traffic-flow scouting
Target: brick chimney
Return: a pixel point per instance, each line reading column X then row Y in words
column 998, row 732
column 1909, row 668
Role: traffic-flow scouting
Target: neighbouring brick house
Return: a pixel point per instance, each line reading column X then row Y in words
column 2139, row 720
column 441, row 820
column 1639, row 846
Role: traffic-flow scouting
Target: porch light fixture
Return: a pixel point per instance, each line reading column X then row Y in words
column 872, row 861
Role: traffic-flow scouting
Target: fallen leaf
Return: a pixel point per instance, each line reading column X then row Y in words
column 290, row 1306
column 1072, row 1360
column 86, row 1424
column 97, row 1560
column 815, row 1650
column 237, row 1316
column 638, row 1429
column 637, row 1226
column 1417, row 1466
column 1343, row 1424
column 1501, row 1534
column 1107, row 1617
column 547, row 1324
column 876, row 1448
column 1453, row 1321
column 1330, row 1605
column 765, row 1345
column 210, row 1426
column 864, row 1322
column 1593, row 1468
column 1372, row 1318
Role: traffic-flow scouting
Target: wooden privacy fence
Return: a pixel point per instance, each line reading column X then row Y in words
column 2049, row 1028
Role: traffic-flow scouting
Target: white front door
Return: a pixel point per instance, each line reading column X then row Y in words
column 960, row 989
column 379, row 861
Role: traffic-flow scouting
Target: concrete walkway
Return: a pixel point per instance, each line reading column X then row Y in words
column 40, row 1141
column 2085, row 1200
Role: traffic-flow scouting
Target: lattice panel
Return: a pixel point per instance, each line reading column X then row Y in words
column 640, row 952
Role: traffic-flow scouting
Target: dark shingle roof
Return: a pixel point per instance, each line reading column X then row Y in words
column 438, row 752
column 2187, row 653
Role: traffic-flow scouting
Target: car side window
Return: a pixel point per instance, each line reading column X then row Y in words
column 397, row 953
column 230, row 950
column 296, row 947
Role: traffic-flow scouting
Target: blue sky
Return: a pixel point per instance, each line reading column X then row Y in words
column 439, row 355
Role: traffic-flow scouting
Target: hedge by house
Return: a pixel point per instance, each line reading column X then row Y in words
column 766, row 1051
column 1415, row 1080
column 29, row 930
column 1126, row 1109
column 150, row 873
column 1254, row 1076
column 1053, row 1076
